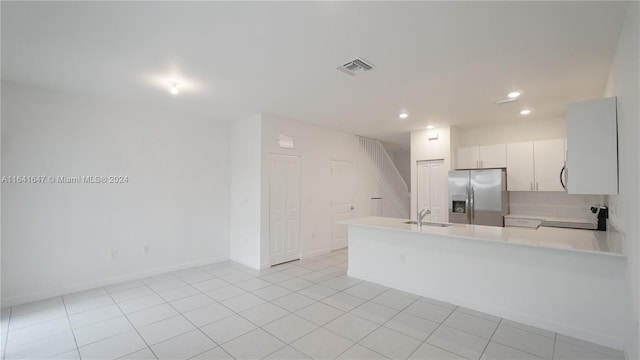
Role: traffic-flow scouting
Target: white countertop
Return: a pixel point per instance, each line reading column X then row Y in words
column 597, row 242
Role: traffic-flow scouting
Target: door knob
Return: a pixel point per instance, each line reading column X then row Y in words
column 352, row 208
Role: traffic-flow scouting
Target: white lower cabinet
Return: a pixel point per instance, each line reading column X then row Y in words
column 535, row 165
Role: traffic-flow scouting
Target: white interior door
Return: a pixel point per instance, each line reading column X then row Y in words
column 342, row 206
column 284, row 208
column 433, row 189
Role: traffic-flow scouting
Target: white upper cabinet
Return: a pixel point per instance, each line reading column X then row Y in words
column 535, row 165
column 493, row 156
column 592, row 147
column 520, row 175
column 467, row 158
column 548, row 161
column 482, row 157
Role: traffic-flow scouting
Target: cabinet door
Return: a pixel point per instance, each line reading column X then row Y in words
column 493, row 156
column 548, row 161
column 592, row 147
column 520, row 166
column 467, row 158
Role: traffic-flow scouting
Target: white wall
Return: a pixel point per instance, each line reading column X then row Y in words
column 316, row 146
column 517, row 131
column 246, row 167
column 623, row 82
column 58, row 238
column 402, row 160
column 424, row 149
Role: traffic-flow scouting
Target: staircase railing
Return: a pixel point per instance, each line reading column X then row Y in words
column 388, row 175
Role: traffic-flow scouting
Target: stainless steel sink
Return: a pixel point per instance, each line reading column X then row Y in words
column 427, row 223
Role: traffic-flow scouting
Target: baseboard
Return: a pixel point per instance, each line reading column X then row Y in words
column 314, row 253
column 22, row 299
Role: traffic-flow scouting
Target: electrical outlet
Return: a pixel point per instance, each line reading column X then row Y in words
column 114, row 254
column 147, row 249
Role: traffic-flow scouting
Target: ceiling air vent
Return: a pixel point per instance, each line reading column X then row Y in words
column 355, row 67
column 506, row 101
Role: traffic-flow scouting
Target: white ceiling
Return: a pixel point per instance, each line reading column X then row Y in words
column 444, row 63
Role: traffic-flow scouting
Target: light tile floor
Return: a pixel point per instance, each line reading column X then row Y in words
column 299, row 310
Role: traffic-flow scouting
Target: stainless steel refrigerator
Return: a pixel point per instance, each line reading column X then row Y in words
column 478, row 197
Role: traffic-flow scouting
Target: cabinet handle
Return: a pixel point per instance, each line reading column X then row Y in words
column 536, row 186
column 564, row 170
column 477, row 163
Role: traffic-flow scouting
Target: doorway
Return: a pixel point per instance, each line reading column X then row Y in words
column 433, row 190
column 284, row 208
column 342, row 206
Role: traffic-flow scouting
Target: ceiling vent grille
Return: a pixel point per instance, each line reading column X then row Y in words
column 355, row 66
column 506, row 101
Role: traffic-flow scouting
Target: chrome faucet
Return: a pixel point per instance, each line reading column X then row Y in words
column 422, row 214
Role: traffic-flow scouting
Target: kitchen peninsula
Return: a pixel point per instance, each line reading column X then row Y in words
column 563, row 280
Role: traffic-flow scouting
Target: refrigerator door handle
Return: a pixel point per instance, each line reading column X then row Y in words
column 472, row 210
column 468, row 205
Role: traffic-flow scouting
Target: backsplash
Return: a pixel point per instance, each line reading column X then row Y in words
column 553, row 204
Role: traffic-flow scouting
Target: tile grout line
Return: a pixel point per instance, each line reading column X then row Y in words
column 382, row 325
column 67, row 316
column 490, row 338
column 134, row 328
column 6, row 336
column 184, row 317
column 527, row 352
column 289, row 313
column 215, row 347
column 318, row 326
column 37, row 324
column 234, row 313
column 71, row 327
column 524, row 351
column 434, row 330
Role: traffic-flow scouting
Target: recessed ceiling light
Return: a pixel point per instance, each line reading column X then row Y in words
column 513, row 94
column 173, row 88
column 430, row 126
column 403, row 115
column 525, row 112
